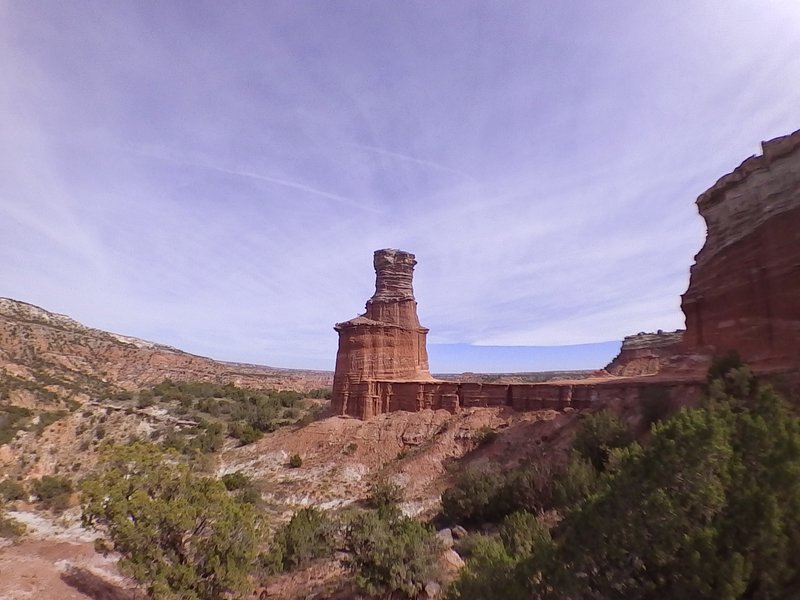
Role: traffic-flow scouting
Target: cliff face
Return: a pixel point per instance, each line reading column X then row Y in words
column 744, row 291
column 645, row 353
column 387, row 342
column 44, row 347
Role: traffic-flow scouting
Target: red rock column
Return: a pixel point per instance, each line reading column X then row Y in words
column 387, row 342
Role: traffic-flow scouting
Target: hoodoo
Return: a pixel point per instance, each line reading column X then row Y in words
column 386, row 343
column 382, row 362
column 744, row 295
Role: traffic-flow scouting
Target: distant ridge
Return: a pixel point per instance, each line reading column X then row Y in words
column 39, row 346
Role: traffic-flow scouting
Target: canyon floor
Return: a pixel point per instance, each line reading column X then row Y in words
column 341, row 457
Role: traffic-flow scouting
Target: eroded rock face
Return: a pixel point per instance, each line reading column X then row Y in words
column 386, row 343
column 744, row 291
column 645, row 353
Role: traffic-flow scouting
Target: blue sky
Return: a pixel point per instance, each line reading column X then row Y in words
column 216, row 175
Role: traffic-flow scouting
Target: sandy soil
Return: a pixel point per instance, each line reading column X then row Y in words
column 56, row 560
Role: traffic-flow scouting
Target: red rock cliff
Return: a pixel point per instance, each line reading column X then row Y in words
column 744, row 291
column 387, row 342
column 645, row 353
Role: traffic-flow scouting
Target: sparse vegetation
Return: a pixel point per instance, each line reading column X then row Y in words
column 485, row 435
column 384, row 494
column 179, row 535
column 11, row 490
column 309, row 535
column 221, row 411
column 709, row 508
column 295, row 461
column 11, row 528
column 12, row 420
column 390, row 554
column 52, row 492
column 598, row 435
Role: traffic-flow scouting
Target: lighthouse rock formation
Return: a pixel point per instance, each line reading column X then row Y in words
column 743, row 295
column 385, row 344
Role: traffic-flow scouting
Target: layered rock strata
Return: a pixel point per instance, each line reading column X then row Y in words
column 382, row 362
column 386, row 343
column 743, row 295
column 744, row 291
column 371, row 398
column 645, row 353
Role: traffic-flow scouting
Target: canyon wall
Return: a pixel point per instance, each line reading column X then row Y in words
column 371, row 398
column 645, row 353
column 382, row 362
column 743, row 295
column 744, row 291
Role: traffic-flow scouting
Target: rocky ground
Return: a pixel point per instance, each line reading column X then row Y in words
column 55, row 559
column 341, row 456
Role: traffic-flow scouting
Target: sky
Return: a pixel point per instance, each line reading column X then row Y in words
column 216, row 175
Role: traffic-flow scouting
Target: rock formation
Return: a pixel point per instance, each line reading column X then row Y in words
column 382, row 362
column 743, row 295
column 386, row 343
column 645, row 353
column 744, row 291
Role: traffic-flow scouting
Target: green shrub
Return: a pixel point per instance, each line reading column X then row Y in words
column 528, row 488
column 598, row 434
column 485, row 435
column 309, row 535
column 145, row 400
column 709, row 508
column 295, row 461
column 390, row 554
column 11, row 490
column 52, row 492
column 473, row 499
column 192, row 539
column 12, row 420
column 486, row 496
column 383, row 494
column 574, row 482
column 244, row 432
column 489, row 572
column 210, row 439
column 236, row 481
column 722, row 365
column 11, row 528
column 656, row 405
column 523, row 533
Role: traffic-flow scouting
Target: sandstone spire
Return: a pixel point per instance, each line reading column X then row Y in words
column 387, row 342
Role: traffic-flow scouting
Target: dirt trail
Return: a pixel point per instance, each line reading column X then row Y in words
column 56, row 560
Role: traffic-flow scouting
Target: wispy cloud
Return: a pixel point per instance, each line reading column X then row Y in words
column 404, row 157
column 217, row 178
column 294, row 185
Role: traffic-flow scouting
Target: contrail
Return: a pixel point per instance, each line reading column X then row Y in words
column 295, row 185
column 406, row 157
